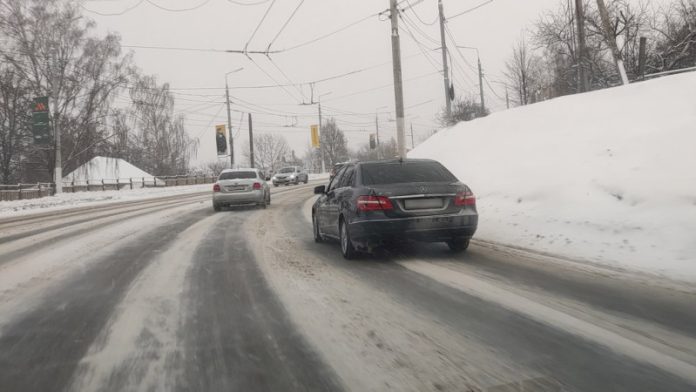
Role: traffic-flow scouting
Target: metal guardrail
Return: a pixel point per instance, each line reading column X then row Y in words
column 38, row 190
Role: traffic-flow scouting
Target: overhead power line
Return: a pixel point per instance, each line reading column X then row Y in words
column 248, row 4
column 410, row 6
column 285, row 24
column 470, row 10
column 258, row 26
column 151, row 2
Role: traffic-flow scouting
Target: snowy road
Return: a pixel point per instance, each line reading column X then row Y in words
column 167, row 295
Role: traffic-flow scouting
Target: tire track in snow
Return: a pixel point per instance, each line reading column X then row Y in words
column 135, row 350
column 41, row 350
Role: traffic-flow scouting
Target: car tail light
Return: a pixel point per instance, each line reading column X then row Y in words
column 216, row 188
column 465, row 198
column 374, row 203
column 257, row 185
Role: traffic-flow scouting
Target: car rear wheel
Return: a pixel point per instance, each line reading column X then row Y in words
column 347, row 249
column 458, row 244
column 315, row 227
column 217, row 207
column 264, row 204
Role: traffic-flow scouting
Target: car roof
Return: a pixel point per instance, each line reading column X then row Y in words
column 396, row 160
column 239, row 170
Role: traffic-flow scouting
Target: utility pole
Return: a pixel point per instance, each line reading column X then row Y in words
column 379, row 153
column 507, row 97
column 251, row 142
column 611, row 40
column 583, row 79
column 398, row 80
column 58, row 170
column 445, row 68
column 480, row 69
column 321, row 145
column 413, row 145
column 229, row 125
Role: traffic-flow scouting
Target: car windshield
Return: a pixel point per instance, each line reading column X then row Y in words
column 287, row 170
column 238, row 175
column 397, row 172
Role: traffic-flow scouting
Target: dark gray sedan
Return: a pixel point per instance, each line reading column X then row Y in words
column 368, row 204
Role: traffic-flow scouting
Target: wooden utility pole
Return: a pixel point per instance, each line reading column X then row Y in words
column 413, row 144
column 321, row 144
column 58, row 169
column 642, row 56
column 251, row 142
column 611, row 40
column 229, row 125
column 445, row 67
column 398, row 80
column 583, row 77
column 480, row 69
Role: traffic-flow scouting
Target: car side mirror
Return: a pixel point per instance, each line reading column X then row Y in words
column 320, row 190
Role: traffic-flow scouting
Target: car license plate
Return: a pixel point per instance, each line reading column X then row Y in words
column 422, row 204
column 236, row 188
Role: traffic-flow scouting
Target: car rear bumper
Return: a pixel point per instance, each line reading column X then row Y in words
column 279, row 181
column 424, row 228
column 232, row 198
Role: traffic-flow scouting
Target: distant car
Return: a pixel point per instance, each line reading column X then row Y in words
column 241, row 187
column 368, row 204
column 290, row 175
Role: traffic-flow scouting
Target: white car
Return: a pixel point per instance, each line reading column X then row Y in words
column 241, row 187
column 290, row 175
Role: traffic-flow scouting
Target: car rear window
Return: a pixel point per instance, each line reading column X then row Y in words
column 237, row 175
column 402, row 172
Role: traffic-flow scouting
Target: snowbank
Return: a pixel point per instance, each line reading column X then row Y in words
column 84, row 199
column 607, row 177
column 109, row 169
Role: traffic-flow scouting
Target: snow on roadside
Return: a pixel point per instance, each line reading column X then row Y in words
column 317, row 177
column 606, row 177
column 95, row 198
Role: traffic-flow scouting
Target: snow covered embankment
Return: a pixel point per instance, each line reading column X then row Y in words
column 607, row 177
column 94, row 198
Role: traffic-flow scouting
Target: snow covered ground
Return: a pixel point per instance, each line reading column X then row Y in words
column 83, row 199
column 607, row 177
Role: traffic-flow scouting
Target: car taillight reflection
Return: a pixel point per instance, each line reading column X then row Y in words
column 257, row 185
column 374, row 203
column 216, row 188
column 464, row 199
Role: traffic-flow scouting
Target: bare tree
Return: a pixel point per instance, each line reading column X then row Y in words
column 14, row 122
column 50, row 45
column 160, row 143
column 465, row 109
column 676, row 36
column 523, row 71
column 270, row 152
column 334, row 143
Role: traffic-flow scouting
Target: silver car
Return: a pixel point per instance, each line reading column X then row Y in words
column 241, row 187
column 290, row 175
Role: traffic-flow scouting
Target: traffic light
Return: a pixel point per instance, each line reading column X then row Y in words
column 373, row 143
column 41, row 127
column 221, row 140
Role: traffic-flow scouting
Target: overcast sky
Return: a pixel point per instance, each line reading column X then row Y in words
column 198, row 78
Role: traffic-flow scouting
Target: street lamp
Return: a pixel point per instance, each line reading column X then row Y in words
column 229, row 116
column 480, row 70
